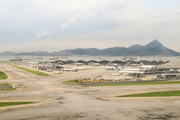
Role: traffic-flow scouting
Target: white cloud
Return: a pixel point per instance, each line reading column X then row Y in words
column 76, row 18
column 45, row 33
column 117, row 21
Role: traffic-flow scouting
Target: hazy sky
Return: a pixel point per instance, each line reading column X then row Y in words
column 33, row 25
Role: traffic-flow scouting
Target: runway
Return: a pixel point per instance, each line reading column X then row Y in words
column 56, row 101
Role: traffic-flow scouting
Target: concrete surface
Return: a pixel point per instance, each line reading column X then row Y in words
column 56, row 101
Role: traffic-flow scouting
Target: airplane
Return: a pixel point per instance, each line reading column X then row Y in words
column 57, row 72
column 134, row 71
column 134, row 65
column 75, row 69
column 124, row 69
column 147, row 66
column 69, row 69
column 144, row 70
column 80, row 68
column 86, row 67
column 170, row 71
column 109, row 68
column 78, row 64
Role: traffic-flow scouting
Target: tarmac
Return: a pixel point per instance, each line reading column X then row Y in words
column 54, row 100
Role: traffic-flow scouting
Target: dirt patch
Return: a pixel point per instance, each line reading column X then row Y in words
column 60, row 98
column 91, row 90
column 102, row 99
column 159, row 117
column 18, row 85
column 61, row 102
column 59, row 117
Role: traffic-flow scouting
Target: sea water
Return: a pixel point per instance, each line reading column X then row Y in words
column 85, row 58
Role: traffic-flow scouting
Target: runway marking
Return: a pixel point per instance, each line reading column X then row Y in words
column 11, row 95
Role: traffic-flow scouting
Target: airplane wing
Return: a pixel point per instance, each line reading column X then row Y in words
column 136, row 72
column 57, row 72
column 67, row 69
column 86, row 67
column 80, row 68
column 131, row 69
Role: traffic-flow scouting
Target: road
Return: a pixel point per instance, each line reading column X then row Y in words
column 55, row 101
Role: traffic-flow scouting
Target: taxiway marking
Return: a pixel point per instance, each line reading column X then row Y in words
column 79, row 100
column 11, row 95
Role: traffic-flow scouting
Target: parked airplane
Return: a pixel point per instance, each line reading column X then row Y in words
column 86, row 67
column 109, row 68
column 148, row 66
column 57, row 72
column 96, row 64
column 134, row 65
column 133, row 71
column 141, row 70
column 80, row 68
column 69, row 69
column 124, row 69
column 78, row 64
column 75, row 69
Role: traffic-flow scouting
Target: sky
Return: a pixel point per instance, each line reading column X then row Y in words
column 48, row 25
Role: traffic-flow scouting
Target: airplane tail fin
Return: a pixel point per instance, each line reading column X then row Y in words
column 117, row 69
column 122, row 67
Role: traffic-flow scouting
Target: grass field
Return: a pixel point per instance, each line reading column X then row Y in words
column 5, row 85
column 3, row 75
column 32, row 71
column 7, row 89
column 155, row 94
column 139, row 83
column 3, row 104
column 124, row 84
column 71, row 82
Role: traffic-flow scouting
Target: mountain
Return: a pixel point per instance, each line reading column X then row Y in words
column 25, row 53
column 80, row 51
column 136, row 47
column 33, row 53
column 153, row 48
column 8, row 53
